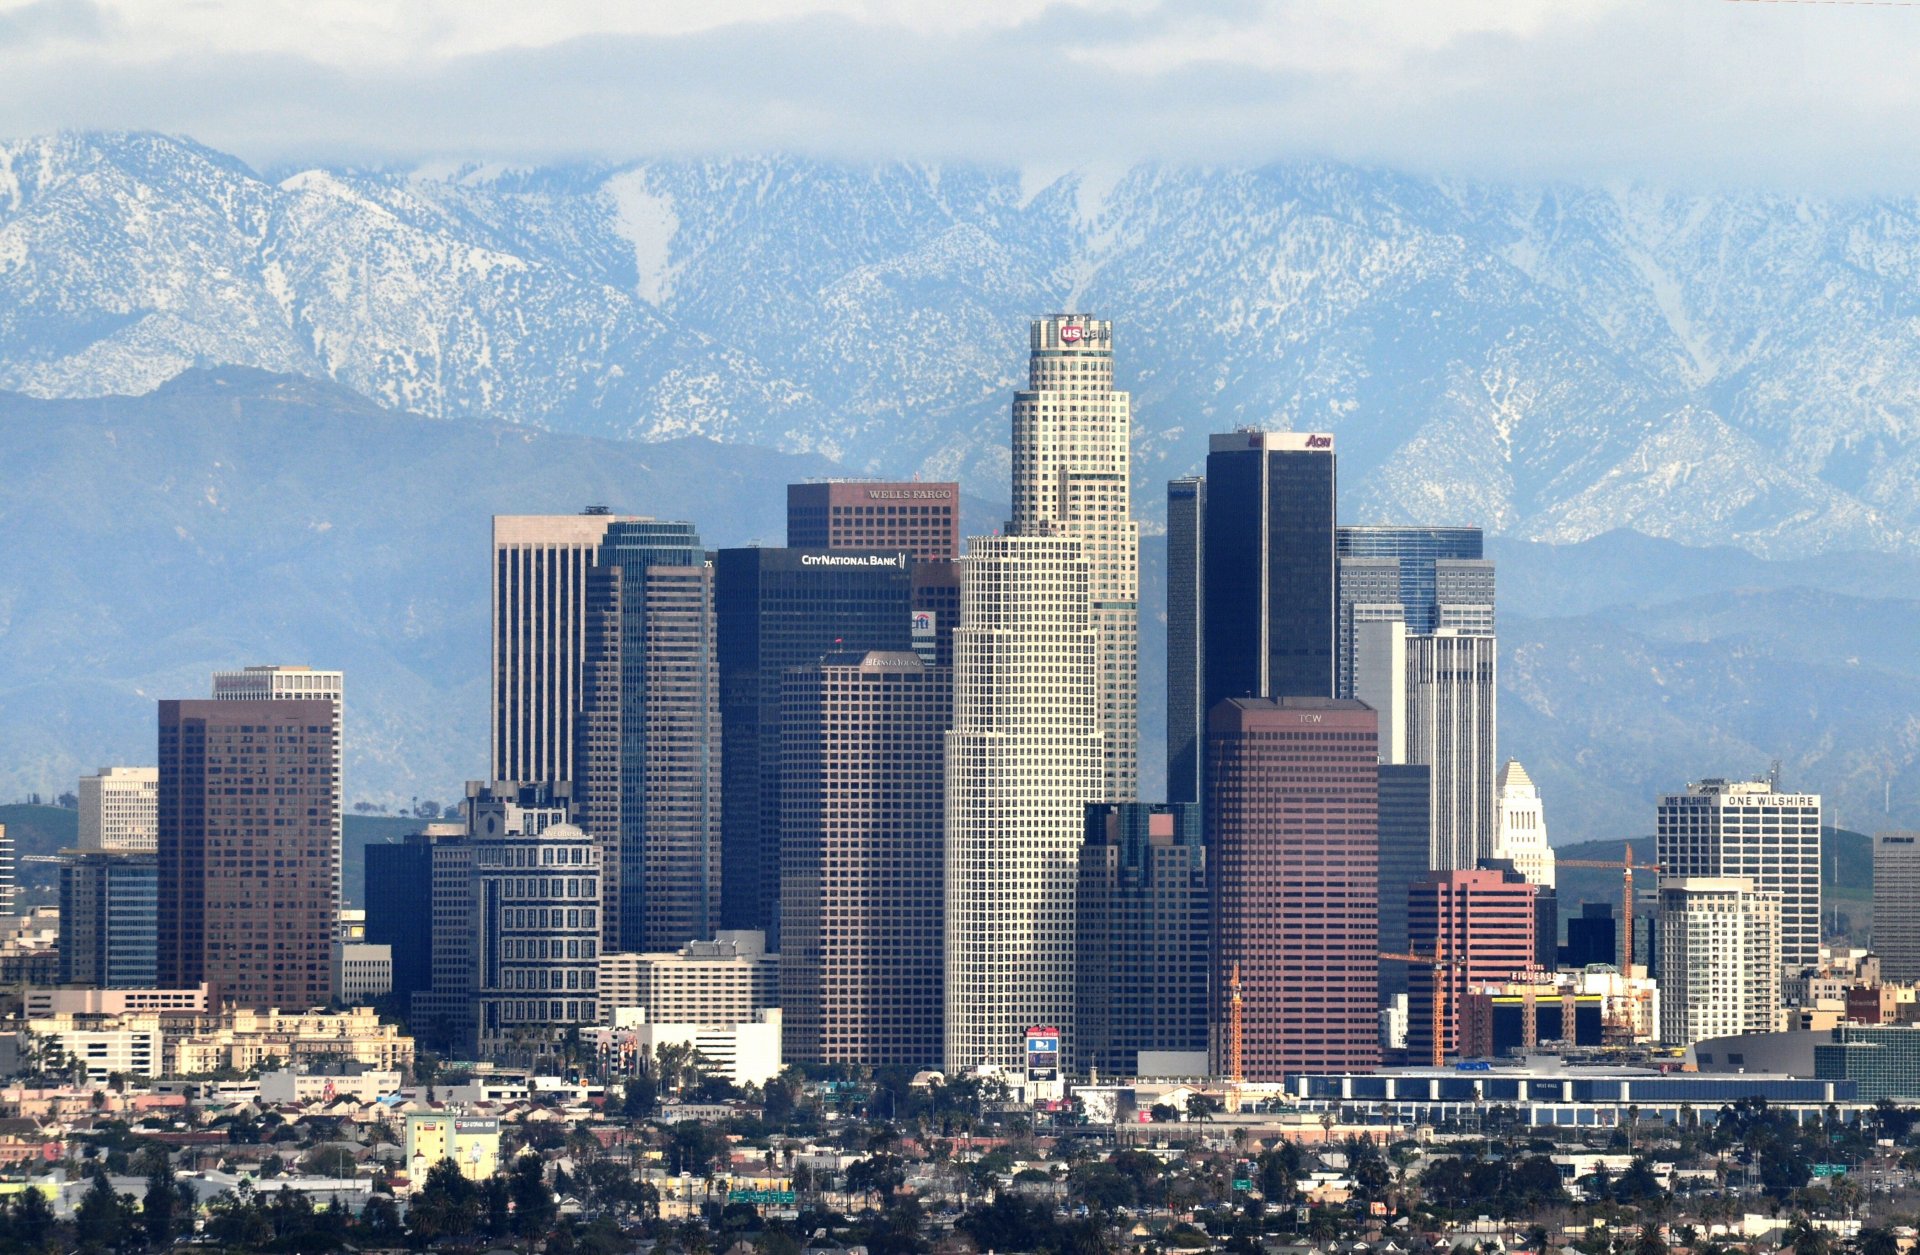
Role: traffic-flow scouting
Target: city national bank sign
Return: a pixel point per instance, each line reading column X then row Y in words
column 854, row 559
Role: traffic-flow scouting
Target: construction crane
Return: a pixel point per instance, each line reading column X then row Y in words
column 1442, row 989
column 1626, row 867
column 1236, row 1060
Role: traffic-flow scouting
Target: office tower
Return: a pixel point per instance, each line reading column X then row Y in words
column 119, row 809
column 1478, row 926
column 9, row 874
column 923, row 519
column 1450, row 727
column 1520, row 826
column 1417, row 553
column 1591, row 938
column 1720, row 944
column 1292, row 817
column 1720, row 828
column 539, row 608
column 108, row 903
column 648, row 746
column 862, row 859
column 936, row 611
column 535, row 897
column 1896, row 905
column 1072, row 477
column 776, row 609
column 248, row 853
column 1024, row 759
column 1142, row 936
column 1269, row 572
column 274, row 683
column 1186, row 630
column 1406, row 823
column 1368, row 599
column 442, row 1016
column 399, row 893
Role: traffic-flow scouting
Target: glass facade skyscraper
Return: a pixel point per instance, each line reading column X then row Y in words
column 1186, row 619
column 776, row 609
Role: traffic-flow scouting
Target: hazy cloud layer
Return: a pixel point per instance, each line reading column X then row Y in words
column 1811, row 95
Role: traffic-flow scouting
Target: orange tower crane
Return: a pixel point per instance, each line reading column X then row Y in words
column 1442, row 991
column 1626, row 867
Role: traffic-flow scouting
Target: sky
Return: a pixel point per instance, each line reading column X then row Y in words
column 1789, row 94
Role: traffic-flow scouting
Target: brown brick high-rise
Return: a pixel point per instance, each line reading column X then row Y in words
column 923, row 519
column 246, row 849
column 862, row 865
column 1292, row 812
column 1481, row 925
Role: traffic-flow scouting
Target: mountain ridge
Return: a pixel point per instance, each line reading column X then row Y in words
column 1550, row 362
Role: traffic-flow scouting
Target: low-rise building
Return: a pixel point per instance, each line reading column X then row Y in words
column 472, row 1142
column 104, row 1046
column 44, row 1002
column 244, row 1039
column 324, row 1084
column 746, row 1052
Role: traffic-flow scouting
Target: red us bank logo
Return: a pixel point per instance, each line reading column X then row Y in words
column 1071, row 334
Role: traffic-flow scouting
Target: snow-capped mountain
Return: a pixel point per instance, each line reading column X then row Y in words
column 1549, row 362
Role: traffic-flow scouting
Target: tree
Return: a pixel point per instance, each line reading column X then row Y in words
column 31, row 1219
column 641, row 1098
column 104, row 1221
column 697, row 1148
column 448, row 1206
column 164, row 1214
column 1650, row 1242
column 534, row 1208
column 1806, row 1238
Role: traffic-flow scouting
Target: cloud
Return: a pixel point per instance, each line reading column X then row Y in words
column 1798, row 96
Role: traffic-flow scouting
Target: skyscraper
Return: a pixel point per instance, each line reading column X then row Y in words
column 1406, row 832
column 540, row 567
column 108, row 902
column 923, row 519
column 399, row 880
column 1748, row 828
column 1451, row 702
column 776, row 609
column 1720, row 943
column 1269, row 570
column 1072, row 477
column 1142, row 916
column 1292, row 813
column 534, row 920
column 1024, row 758
column 862, row 859
column 297, row 683
column 1896, row 905
column 1186, row 631
column 1520, row 826
column 1416, row 553
column 1479, row 926
column 648, row 746
column 119, row 809
column 248, row 860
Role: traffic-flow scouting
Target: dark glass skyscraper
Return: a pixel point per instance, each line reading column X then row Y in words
column 399, row 895
column 1268, row 618
column 1406, row 825
column 1141, row 935
column 649, row 740
column 1186, row 619
column 108, row 901
column 777, row 609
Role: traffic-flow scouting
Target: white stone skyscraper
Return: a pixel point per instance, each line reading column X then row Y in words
column 1072, row 476
column 1025, row 757
column 1520, row 829
column 1748, row 828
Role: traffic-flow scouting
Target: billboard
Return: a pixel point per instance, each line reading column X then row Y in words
column 1043, row 1054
